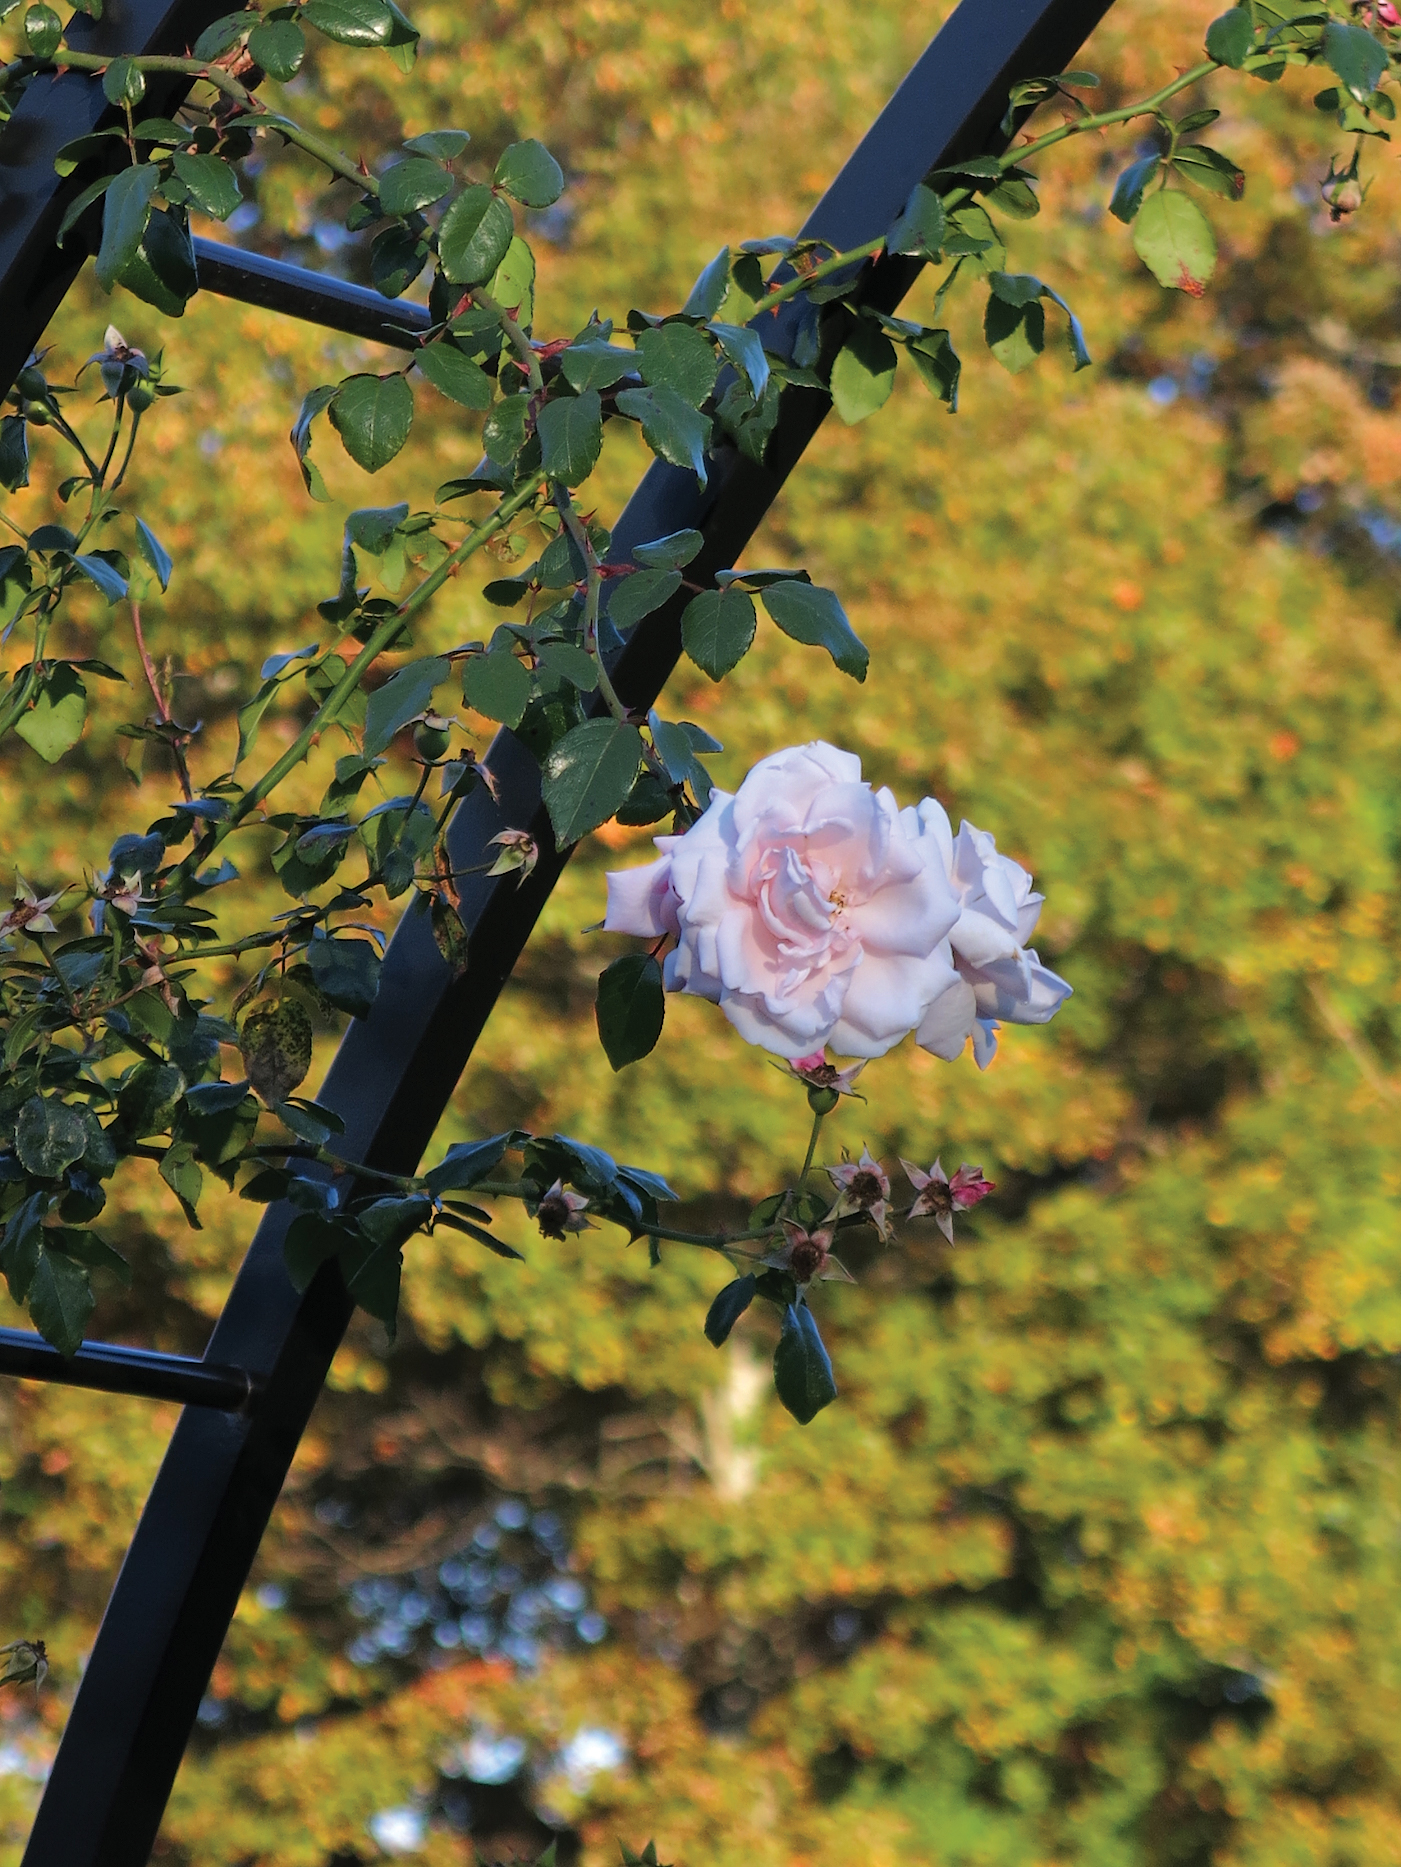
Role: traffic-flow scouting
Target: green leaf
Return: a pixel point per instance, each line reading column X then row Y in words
column 1015, row 333
column 397, row 256
column 346, row 972
column 1209, row 169
column 595, row 365
column 182, row 1174
column 154, row 553
column 728, row 1307
column 275, row 1044
column 813, row 615
column 1127, row 197
column 1358, row 58
column 210, row 182
column 125, row 210
column 513, row 282
column 922, row 225
column 467, row 1162
column 529, row 172
column 373, row 529
column 475, row 236
column 937, row 362
column 313, row 403
column 638, row 595
column 372, row 415
column 504, row 430
column 1230, row 37
column 49, row 1136
column 1174, row 240
column 162, row 270
column 717, row 630
column 80, row 204
column 676, row 549
column 630, row 1008
column 43, row 31
column 413, row 184
column 351, row 22
column 568, row 661
column 60, row 1300
column 587, row 776
column 55, row 721
column 708, row 293
column 14, row 453
column 744, row 348
column 149, row 1098
column 279, row 46
column 802, row 1369
column 864, row 372
column 308, row 1244
column 218, row 38
column 670, row 426
column 123, row 83
column 442, row 145
column 571, row 436
column 455, row 375
column 1015, row 195
column 678, row 357
column 402, row 697
column 497, row 685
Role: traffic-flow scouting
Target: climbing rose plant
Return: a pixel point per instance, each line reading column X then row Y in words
column 817, row 912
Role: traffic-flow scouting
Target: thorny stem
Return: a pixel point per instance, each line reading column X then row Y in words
column 163, row 713
column 1146, row 107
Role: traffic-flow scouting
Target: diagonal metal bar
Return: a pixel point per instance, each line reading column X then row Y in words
column 335, row 304
column 394, row 1072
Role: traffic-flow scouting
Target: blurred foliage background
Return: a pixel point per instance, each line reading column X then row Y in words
column 1096, row 1559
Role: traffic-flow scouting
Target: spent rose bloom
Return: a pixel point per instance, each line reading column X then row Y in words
column 815, row 912
column 938, row 1197
column 803, row 905
column 862, row 1186
column 807, row 1256
column 561, row 1211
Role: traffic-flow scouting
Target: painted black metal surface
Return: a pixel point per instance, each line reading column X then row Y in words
column 395, row 1071
column 296, row 292
column 114, row 1369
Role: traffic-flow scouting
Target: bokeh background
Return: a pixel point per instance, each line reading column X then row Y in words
column 1095, row 1562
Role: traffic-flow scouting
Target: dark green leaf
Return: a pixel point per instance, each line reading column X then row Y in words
column 162, row 269
column 864, row 372
column 442, row 145
column 1174, row 240
column 595, row 365
column 55, row 721
column 670, row 426
column 217, row 38
column 638, row 595
column 346, row 972
column 210, row 182
column 373, row 415
column 181, row 1173
column 402, row 697
column 455, row 375
column 154, row 553
column 1014, row 195
column 413, row 184
column 1358, row 58
column 123, row 83
column 1127, row 198
column 680, row 358
column 370, row 527
column 351, row 22
column 108, row 579
column 43, row 31
column 397, row 256
column 60, row 1300
column 14, row 453
column 529, row 172
column 571, row 436
column 717, row 630
column 312, row 404
column 568, row 661
column 921, row 227
column 676, row 549
column 496, row 685
column 467, row 1162
column 1016, row 333
column 309, row 1242
column 813, row 615
column 1209, row 169
column 475, row 235
column 503, row 432
column 728, row 1307
column 587, row 776
column 49, row 1136
column 708, row 292
column 124, row 214
column 279, row 46
column 150, row 1097
column 744, row 349
column 802, row 1369
column 275, row 1044
column 630, row 1008
column 1229, row 38
column 936, row 360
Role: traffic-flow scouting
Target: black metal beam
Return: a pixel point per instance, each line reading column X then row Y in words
column 316, row 297
column 34, row 271
column 113, row 1369
column 394, row 1072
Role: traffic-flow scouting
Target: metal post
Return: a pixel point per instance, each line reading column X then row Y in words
column 394, row 1072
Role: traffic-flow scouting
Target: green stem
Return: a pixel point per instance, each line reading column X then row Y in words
column 515, row 337
column 817, row 1122
column 578, row 531
column 350, row 680
column 1107, row 118
column 190, row 67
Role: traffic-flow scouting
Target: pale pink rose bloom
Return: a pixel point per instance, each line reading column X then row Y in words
column 999, row 977
column 807, row 906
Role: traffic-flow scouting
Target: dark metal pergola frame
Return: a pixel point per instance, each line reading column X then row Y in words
column 248, row 1400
